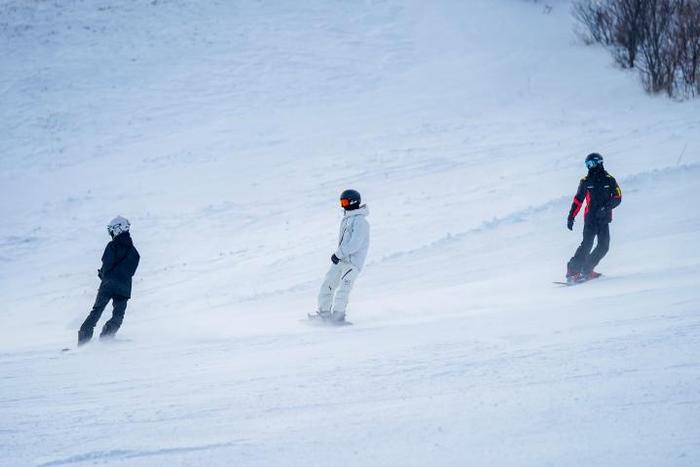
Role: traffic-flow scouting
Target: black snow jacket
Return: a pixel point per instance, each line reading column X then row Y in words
column 599, row 190
column 119, row 263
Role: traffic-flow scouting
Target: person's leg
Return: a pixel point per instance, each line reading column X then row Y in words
column 330, row 283
column 88, row 326
column 112, row 326
column 578, row 261
column 342, row 295
column 601, row 248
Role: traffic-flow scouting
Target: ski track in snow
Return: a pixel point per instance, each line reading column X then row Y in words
column 118, row 455
column 631, row 184
column 225, row 134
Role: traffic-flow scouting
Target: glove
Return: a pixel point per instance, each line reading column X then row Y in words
column 335, row 259
column 99, row 273
column 602, row 214
column 570, row 223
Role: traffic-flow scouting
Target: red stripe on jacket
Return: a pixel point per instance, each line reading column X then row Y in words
column 578, row 206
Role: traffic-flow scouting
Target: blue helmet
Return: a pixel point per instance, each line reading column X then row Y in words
column 594, row 160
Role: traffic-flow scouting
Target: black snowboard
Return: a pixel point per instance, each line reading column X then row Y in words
column 570, row 284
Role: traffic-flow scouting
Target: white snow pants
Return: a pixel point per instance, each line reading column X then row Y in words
column 336, row 287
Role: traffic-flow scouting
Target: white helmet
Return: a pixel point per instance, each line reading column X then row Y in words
column 118, row 225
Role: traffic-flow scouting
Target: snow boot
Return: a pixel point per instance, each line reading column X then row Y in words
column 110, row 329
column 84, row 336
column 572, row 273
column 573, row 278
column 338, row 316
column 320, row 315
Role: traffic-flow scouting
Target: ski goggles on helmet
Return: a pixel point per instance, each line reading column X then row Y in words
column 344, row 202
column 593, row 163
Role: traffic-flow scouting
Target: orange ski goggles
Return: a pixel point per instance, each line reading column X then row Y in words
column 344, row 202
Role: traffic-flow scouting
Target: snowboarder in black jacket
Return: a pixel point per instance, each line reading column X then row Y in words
column 119, row 263
column 602, row 194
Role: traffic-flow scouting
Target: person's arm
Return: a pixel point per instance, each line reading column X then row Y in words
column 579, row 198
column 353, row 241
column 109, row 257
column 617, row 195
column 576, row 204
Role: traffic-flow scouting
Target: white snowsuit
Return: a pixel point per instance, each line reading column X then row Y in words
column 353, row 243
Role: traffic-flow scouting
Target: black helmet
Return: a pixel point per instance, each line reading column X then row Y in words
column 350, row 199
column 594, row 160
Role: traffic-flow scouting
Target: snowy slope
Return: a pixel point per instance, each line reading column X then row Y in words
column 226, row 130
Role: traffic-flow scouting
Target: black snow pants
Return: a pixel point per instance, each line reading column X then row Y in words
column 585, row 260
column 111, row 326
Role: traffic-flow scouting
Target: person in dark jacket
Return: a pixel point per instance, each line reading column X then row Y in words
column 119, row 263
column 601, row 193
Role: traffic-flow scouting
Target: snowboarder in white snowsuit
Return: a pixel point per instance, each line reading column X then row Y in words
column 119, row 263
column 348, row 259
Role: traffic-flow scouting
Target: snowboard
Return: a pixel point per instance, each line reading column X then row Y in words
column 109, row 341
column 571, row 284
column 316, row 320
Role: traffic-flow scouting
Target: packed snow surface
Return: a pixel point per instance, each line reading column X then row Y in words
column 226, row 130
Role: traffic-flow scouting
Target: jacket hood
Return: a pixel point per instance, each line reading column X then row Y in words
column 123, row 238
column 361, row 211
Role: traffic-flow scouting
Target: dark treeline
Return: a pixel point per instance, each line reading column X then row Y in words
column 660, row 38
